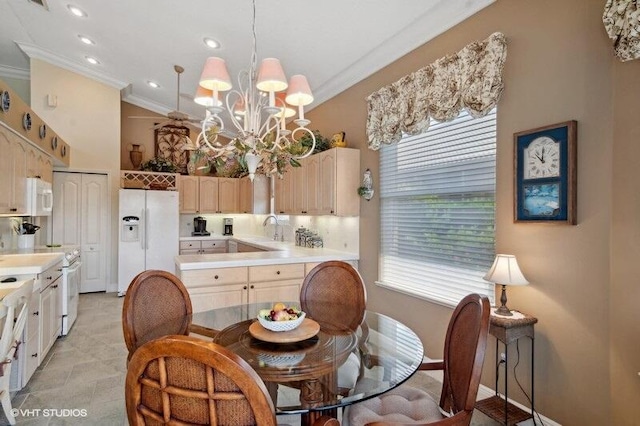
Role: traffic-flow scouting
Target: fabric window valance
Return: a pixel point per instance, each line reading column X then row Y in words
column 621, row 19
column 470, row 79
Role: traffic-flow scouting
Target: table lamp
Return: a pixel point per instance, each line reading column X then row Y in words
column 505, row 271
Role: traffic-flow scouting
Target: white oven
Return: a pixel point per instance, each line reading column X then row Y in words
column 70, row 288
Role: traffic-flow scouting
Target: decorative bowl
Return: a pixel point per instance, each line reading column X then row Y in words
column 283, row 360
column 281, row 325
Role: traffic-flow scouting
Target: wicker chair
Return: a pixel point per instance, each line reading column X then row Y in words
column 13, row 312
column 464, row 349
column 156, row 304
column 185, row 380
column 334, row 295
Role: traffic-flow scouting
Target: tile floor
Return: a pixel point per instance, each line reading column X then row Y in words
column 85, row 372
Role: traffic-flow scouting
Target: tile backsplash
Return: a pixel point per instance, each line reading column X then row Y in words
column 338, row 233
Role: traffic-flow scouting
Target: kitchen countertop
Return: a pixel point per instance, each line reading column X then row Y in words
column 278, row 253
column 27, row 263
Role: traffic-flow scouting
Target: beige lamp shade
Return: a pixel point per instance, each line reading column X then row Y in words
column 215, row 75
column 505, row 271
column 271, row 76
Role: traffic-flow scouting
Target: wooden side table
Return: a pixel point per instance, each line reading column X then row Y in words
column 508, row 330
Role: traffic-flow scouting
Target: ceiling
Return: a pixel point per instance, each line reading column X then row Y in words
column 335, row 43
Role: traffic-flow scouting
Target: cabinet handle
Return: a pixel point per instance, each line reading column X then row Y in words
column 252, row 286
column 49, row 278
column 244, row 288
column 34, row 355
column 36, row 313
column 55, row 286
column 13, row 210
column 277, row 272
column 331, row 211
column 215, row 277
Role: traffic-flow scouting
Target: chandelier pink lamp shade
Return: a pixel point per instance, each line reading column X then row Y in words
column 282, row 104
column 299, row 92
column 215, row 76
column 505, row 270
column 203, row 96
column 271, row 76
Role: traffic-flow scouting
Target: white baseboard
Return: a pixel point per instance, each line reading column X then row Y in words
column 487, row 392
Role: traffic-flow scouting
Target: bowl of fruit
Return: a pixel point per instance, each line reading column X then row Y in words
column 281, row 317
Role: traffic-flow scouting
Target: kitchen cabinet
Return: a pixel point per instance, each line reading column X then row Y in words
column 51, row 314
column 254, row 196
column 338, row 181
column 13, row 164
column 203, row 246
column 220, row 287
column 247, row 248
column 39, row 164
column 325, row 184
column 270, row 283
column 31, row 352
column 206, row 194
column 283, row 192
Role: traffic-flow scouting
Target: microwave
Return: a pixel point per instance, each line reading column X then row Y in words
column 39, row 197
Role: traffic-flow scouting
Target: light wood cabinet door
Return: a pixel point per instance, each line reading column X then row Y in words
column 313, row 182
column 228, row 195
column 328, row 184
column 32, row 162
column 275, row 291
column 18, row 198
column 299, row 176
column 254, row 196
column 6, row 168
column 207, row 298
column 46, row 171
column 189, row 194
column 283, row 193
column 209, row 195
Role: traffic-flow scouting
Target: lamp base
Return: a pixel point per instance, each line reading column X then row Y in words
column 503, row 310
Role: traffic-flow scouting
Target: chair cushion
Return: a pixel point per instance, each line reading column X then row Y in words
column 403, row 404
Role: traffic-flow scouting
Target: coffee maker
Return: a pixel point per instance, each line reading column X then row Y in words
column 228, row 226
column 200, row 227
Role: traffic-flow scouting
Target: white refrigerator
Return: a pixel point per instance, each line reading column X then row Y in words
column 148, row 233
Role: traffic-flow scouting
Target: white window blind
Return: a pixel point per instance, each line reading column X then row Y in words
column 437, row 214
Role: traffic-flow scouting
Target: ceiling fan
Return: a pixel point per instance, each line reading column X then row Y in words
column 176, row 117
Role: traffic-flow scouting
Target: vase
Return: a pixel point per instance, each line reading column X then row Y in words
column 135, row 155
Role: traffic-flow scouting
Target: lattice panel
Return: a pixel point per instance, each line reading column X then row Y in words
column 149, row 180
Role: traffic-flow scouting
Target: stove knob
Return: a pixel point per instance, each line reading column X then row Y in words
column 68, row 256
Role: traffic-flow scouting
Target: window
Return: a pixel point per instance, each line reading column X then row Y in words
column 437, row 214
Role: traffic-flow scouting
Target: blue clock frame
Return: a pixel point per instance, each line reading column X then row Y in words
column 547, row 199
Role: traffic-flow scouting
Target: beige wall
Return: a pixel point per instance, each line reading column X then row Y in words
column 559, row 67
column 137, row 131
column 88, row 118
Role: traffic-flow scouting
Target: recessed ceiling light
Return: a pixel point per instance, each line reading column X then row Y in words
column 86, row 40
column 211, row 43
column 92, row 60
column 153, row 84
column 77, row 11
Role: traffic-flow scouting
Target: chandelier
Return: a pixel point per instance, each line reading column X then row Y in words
column 257, row 109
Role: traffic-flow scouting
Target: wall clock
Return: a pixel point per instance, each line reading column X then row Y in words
column 546, row 174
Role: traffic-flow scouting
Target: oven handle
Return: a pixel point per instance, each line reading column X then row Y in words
column 76, row 266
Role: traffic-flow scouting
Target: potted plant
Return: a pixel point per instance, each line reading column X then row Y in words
column 157, row 164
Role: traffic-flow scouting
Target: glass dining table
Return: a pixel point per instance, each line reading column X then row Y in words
column 317, row 374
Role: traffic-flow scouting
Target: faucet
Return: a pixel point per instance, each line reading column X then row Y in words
column 275, row 232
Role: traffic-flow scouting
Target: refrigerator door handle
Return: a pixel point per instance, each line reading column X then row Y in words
column 146, row 220
column 143, row 228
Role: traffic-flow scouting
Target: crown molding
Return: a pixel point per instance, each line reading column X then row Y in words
column 12, row 72
column 35, row 52
column 127, row 96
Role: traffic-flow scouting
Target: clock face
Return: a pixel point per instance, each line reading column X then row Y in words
column 542, row 158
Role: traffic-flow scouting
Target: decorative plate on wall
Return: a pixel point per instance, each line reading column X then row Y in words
column 54, row 143
column 26, row 121
column 5, row 101
column 42, row 131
